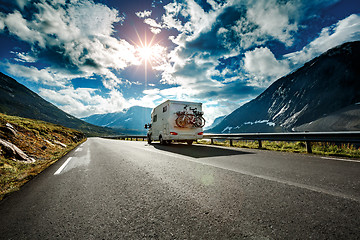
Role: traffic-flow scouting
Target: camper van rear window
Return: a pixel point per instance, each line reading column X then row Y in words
column 155, row 118
column 165, row 109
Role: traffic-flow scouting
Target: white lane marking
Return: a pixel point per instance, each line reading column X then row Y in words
column 79, row 149
column 290, row 183
column 63, row 166
column 341, row 159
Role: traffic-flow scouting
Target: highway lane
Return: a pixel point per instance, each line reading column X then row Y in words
column 110, row 189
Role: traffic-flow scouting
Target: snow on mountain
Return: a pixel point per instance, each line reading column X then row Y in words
column 133, row 118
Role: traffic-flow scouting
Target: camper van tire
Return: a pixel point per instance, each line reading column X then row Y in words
column 149, row 139
column 162, row 141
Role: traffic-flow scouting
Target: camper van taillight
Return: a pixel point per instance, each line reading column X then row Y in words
column 201, row 133
column 173, row 133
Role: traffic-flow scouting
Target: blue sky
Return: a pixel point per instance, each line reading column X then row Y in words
column 104, row 56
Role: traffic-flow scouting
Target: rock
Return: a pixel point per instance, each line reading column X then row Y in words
column 8, row 129
column 14, row 151
column 11, row 128
column 60, row 144
column 50, row 143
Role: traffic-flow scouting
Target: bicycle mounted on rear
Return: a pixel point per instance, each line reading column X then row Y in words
column 186, row 119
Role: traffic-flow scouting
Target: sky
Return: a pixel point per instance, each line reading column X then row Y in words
column 99, row 56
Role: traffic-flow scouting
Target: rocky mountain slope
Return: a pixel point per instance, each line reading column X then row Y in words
column 320, row 88
column 347, row 118
column 133, row 119
column 18, row 100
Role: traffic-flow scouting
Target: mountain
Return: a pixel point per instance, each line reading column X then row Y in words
column 18, row 100
column 130, row 121
column 216, row 122
column 324, row 86
column 347, row 118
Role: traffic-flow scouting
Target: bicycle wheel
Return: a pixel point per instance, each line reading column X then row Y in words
column 203, row 121
column 181, row 121
column 199, row 122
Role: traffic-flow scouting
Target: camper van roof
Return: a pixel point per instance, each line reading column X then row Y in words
column 181, row 102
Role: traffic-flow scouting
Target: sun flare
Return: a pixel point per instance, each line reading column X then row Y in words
column 149, row 51
column 153, row 54
column 145, row 52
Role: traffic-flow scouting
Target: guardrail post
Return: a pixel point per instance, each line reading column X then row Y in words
column 212, row 141
column 308, row 146
column 231, row 143
column 260, row 143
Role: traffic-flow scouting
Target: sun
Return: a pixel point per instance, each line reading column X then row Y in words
column 151, row 53
column 145, row 52
column 148, row 51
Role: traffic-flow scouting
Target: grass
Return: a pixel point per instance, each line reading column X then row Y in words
column 40, row 141
column 325, row 149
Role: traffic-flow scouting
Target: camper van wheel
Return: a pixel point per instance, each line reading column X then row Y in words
column 149, row 139
column 162, row 141
column 189, row 142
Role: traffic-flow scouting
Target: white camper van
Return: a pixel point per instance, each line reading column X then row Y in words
column 176, row 121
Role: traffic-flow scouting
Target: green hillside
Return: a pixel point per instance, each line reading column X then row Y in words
column 18, row 100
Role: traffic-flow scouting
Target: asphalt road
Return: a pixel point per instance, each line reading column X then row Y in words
column 111, row 189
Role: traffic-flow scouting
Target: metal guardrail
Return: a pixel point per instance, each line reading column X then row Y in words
column 307, row 137
column 123, row 137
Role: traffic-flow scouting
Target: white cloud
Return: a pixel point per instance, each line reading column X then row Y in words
column 74, row 35
column 43, row 76
column 155, row 30
column 276, row 20
column 343, row 31
column 153, row 91
column 93, row 19
column 154, row 26
column 172, row 10
column 19, row 27
column 24, row 57
column 198, row 20
column 148, row 100
column 214, row 109
column 247, row 35
column 143, row 14
column 21, row 3
column 82, row 102
column 262, row 63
